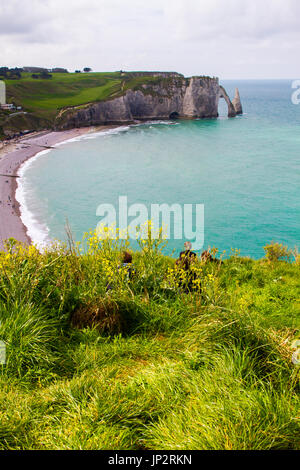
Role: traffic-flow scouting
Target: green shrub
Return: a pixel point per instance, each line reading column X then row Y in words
column 277, row 251
column 144, row 364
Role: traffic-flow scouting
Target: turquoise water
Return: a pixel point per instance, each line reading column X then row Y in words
column 244, row 170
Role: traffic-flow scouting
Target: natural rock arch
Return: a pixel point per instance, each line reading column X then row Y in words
column 223, row 94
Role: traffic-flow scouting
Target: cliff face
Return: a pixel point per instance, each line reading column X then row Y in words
column 163, row 98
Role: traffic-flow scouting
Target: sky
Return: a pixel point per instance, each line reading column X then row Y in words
column 230, row 39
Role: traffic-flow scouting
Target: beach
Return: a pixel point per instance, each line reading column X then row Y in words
column 12, row 157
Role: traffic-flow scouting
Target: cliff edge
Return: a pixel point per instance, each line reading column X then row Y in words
column 167, row 96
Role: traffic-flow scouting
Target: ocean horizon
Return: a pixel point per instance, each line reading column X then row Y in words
column 244, row 170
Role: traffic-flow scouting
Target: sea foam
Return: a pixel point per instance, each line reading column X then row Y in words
column 36, row 230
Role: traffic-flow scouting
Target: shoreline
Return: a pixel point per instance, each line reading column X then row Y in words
column 12, row 157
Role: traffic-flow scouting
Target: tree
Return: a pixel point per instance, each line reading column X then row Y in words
column 3, row 71
column 45, row 75
column 87, row 69
column 77, row 71
column 14, row 74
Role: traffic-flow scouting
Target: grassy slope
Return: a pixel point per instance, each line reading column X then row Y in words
column 44, row 98
column 171, row 370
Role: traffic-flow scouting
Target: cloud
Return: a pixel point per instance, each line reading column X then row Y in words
column 252, row 19
column 191, row 36
column 14, row 22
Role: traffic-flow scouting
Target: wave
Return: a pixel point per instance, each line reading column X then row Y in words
column 148, row 123
column 94, row 135
column 38, row 231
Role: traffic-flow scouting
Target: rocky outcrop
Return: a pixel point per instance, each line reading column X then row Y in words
column 237, row 102
column 231, row 109
column 165, row 97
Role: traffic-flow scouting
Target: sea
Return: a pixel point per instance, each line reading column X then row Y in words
column 244, row 172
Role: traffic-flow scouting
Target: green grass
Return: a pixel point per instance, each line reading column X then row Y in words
column 171, row 370
column 44, row 98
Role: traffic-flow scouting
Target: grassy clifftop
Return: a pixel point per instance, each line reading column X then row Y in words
column 144, row 365
column 45, row 97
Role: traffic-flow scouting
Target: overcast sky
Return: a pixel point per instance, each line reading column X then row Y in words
column 224, row 38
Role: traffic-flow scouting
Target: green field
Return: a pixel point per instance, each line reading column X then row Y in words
column 144, row 364
column 45, row 97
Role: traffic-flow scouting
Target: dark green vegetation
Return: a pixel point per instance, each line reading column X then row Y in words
column 153, row 368
column 14, row 123
column 3, row 117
